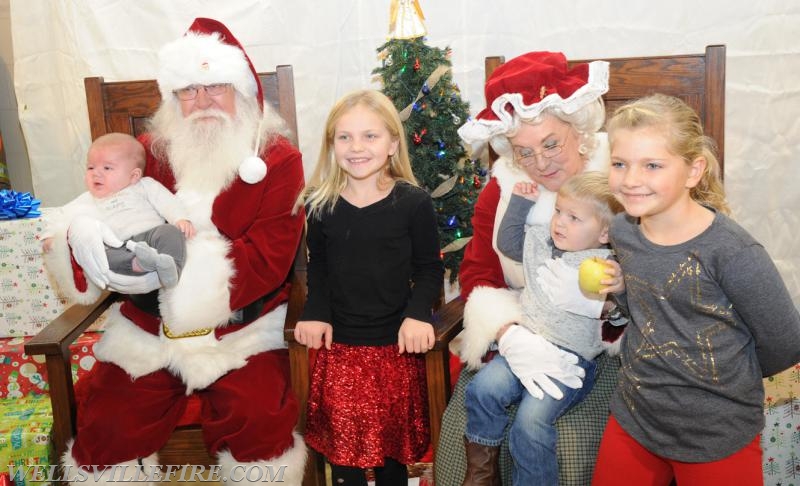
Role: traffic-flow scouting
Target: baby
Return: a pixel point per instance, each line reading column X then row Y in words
column 133, row 207
column 555, row 310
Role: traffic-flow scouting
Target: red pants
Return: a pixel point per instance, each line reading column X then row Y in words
column 622, row 460
column 250, row 411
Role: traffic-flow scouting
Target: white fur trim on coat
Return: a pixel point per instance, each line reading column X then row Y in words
column 294, row 460
column 128, row 472
column 613, row 348
column 486, row 311
column 59, row 267
column 130, row 347
column 507, row 175
column 198, row 361
column 202, row 297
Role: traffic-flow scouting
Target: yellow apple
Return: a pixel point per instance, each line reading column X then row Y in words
column 590, row 273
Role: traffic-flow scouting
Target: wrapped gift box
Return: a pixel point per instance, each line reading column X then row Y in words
column 28, row 301
column 25, row 435
column 22, row 375
column 780, row 439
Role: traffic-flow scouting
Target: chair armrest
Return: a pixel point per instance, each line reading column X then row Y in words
column 53, row 342
column 56, row 337
column 297, row 299
column 448, row 322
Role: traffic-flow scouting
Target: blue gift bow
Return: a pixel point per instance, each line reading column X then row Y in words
column 15, row 205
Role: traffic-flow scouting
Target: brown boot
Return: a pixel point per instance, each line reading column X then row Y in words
column 483, row 466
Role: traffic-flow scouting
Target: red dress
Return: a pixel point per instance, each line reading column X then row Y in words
column 390, row 417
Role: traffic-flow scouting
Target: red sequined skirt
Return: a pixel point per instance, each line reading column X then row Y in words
column 367, row 403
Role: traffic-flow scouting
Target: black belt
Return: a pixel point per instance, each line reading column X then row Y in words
column 249, row 313
column 252, row 311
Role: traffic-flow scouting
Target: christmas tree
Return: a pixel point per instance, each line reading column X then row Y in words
column 417, row 78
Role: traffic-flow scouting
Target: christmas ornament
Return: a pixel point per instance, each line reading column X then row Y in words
column 418, row 136
column 431, row 81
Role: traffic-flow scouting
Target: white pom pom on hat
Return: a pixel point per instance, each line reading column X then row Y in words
column 252, row 169
column 208, row 54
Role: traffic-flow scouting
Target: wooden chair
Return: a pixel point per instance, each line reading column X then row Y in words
column 125, row 107
column 698, row 79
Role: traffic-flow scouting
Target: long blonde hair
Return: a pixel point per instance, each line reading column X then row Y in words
column 329, row 179
column 685, row 138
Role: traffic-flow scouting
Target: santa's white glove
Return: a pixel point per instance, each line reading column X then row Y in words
column 559, row 282
column 133, row 284
column 537, row 362
column 86, row 237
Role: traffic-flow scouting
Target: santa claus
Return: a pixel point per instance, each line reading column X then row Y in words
column 218, row 332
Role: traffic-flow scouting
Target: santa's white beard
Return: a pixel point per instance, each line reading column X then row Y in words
column 206, row 148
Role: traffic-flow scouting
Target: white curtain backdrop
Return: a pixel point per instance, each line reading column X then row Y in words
column 332, row 46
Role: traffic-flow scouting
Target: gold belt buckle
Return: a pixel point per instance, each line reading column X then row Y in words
column 203, row 331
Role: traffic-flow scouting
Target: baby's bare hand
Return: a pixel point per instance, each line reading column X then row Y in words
column 528, row 190
column 186, row 227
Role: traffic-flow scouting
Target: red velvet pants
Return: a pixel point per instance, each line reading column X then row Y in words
column 622, row 460
column 250, row 411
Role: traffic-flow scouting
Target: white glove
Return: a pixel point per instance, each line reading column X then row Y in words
column 559, row 282
column 86, row 237
column 534, row 360
column 133, row 284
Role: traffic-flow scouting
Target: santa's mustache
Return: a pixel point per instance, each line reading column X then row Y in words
column 208, row 113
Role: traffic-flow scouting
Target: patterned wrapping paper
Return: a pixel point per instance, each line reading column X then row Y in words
column 28, row 301
column 780, row 439
column 25, row 435
column 22, row 375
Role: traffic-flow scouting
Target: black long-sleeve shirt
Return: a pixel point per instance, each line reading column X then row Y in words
column 369, row 268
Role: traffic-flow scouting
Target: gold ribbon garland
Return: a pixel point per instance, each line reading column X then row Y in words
column 434, row 78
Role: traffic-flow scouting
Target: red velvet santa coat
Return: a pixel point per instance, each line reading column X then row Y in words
column 244, row 248
column 491, row 282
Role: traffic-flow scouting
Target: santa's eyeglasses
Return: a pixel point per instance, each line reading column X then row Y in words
column 190, row 92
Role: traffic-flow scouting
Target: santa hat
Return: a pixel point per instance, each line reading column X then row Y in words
column 528, row 85
column 209, row 54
